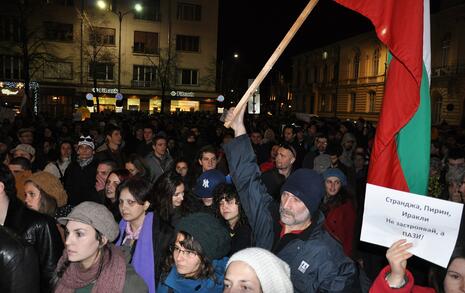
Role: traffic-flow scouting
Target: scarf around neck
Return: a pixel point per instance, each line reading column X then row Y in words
column 143, row 258
column 111, row 279
column 83, row 163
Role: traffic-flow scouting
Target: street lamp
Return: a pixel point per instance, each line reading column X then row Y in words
column 138, row 8
column 235, row 57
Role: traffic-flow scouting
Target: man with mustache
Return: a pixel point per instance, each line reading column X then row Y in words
column 294, row 231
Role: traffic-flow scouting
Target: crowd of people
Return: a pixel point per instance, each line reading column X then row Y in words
column 179, row 203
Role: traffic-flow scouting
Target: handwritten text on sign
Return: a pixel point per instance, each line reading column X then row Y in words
column 427, row 222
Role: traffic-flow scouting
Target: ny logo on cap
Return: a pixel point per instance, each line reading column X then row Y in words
column 205, row 183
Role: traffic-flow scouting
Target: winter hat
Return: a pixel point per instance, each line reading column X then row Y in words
column 335, row 172
column 86, row 140
column 308, row 186
column 321, row 163
column 207, row 182
column 272, row 272
column 25, row 148
column 348, row 137
column 96, row 215
column 209, row 232
column 50, row 185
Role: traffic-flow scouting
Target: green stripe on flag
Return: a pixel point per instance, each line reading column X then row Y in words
column 414, row 141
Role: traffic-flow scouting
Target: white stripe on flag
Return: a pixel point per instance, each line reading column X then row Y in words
column 427, row 39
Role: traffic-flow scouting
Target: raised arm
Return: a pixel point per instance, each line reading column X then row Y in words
column 255, row 200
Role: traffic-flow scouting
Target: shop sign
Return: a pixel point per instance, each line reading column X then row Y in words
column 9, row 92
column 182, row 94
column 104, row 90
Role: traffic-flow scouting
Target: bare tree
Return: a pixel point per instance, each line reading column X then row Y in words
column 31, row 45
column 95, row 51
column 165, row 68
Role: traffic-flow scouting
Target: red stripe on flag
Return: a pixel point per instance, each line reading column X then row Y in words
column 399, row 25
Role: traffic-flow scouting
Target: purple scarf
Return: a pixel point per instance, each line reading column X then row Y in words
column 143, row 259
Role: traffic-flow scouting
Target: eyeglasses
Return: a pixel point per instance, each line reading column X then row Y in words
column 185, row 252
column 86, row 138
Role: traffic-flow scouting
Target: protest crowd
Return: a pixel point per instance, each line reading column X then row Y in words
column 178, row 203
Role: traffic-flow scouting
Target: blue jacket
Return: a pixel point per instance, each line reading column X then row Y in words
column 179, row 284
column 316, row 260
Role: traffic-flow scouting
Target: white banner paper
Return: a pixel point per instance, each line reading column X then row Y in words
column 431, row 224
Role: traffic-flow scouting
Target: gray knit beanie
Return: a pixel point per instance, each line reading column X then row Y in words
column 272, row 272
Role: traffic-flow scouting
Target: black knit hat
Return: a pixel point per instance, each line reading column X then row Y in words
column 308, row 186
column 209, row 232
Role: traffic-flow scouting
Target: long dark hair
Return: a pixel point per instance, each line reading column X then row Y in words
column 138, row 162
column 48, row 204
column 163, row 191
column 58, row 150
column 228, row 192
column 122, row 174
column 205, row 270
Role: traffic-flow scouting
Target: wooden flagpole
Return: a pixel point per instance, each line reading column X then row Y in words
column 269, row 64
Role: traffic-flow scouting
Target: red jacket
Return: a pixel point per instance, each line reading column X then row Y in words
column 340, row 222
column 380, row 285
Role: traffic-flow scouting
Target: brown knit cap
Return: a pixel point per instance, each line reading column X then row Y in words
column 51, row 185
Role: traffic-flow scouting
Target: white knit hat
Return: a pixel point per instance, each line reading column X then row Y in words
column 272, row 272
column 86, row 140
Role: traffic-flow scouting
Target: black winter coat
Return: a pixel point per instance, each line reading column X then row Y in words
column 41, row 232
column 19, row 264
column 80, row 183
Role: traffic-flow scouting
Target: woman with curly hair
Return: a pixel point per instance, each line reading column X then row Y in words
column 229, row 209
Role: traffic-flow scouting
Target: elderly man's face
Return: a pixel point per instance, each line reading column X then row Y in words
column 293, row 211
column 284, row 158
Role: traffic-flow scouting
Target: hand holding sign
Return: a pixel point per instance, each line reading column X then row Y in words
column 427, row 222
column 397, row 256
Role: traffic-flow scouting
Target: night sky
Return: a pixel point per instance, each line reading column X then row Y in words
column 254, row 28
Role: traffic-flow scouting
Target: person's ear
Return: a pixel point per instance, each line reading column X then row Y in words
column 103, row 242
column 146, row 205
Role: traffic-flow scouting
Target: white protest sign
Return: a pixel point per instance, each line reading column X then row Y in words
column 431, row 224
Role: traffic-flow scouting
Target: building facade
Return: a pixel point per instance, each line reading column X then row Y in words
column 97, row 49
column 448, row 63
column 346, row 79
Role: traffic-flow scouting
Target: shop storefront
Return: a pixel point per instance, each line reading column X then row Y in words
column 11, row 95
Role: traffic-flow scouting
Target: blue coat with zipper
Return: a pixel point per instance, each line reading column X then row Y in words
column 316, row 260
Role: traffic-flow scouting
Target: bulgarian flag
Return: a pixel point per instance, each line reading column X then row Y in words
column 401, row 150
